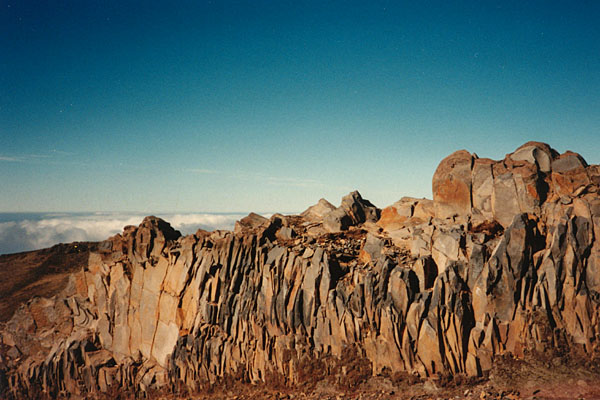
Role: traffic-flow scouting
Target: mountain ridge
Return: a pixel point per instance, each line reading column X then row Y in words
column 504, row 260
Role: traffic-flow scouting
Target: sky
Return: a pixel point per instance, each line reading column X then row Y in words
column 267, row 106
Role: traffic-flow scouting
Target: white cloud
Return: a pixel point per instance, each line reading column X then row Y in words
column 10, row 159
column 37, row 158
column 190, row 223
column 46, row 230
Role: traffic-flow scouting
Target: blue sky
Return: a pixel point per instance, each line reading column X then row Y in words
column 269, row 105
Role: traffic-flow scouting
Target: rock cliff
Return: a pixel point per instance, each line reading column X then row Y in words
column 504, row 260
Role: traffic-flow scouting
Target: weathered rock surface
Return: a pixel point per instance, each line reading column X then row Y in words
column 318, row 211
column 466, row 187
column 504, row 260
column 251, row 221
column 353, row 211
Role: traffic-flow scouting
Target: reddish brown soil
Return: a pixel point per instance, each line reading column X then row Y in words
column 539, row 376
column 38, row 273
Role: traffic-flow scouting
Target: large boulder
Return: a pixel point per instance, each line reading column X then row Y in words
column 353, row 211
column 469, row 188
column 358, row 209
column 397, row 215
column 451, row 185
column 337, row 220
column 536, row 153
column 250, row 222
column 316, row 212
column 482, row 188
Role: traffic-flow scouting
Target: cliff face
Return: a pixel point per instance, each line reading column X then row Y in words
column 504, row 260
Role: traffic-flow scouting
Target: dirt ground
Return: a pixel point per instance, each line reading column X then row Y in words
column 41, row 273
column 538, row 376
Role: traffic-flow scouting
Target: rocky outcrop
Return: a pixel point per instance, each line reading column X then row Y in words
column 251, row 221
column 468, row 187
column 316, row 212
column 353, row 211
column 421, row 286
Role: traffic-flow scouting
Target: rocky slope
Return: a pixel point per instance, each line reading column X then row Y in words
column 504, row 260
column 43, row 273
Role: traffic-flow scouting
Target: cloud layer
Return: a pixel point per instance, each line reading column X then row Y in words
column 37, row 231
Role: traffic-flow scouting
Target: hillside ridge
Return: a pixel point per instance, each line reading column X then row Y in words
column 505, row 260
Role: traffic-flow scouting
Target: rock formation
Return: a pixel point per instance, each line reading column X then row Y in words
column 468, row 187
column 505, row 259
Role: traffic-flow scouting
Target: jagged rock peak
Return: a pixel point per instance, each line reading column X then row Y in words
column 160, row 225
column 353, row 211
column 480, row 189
column 143, row 242
column 359, row 209
column 249, row 222
column 317, row 211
